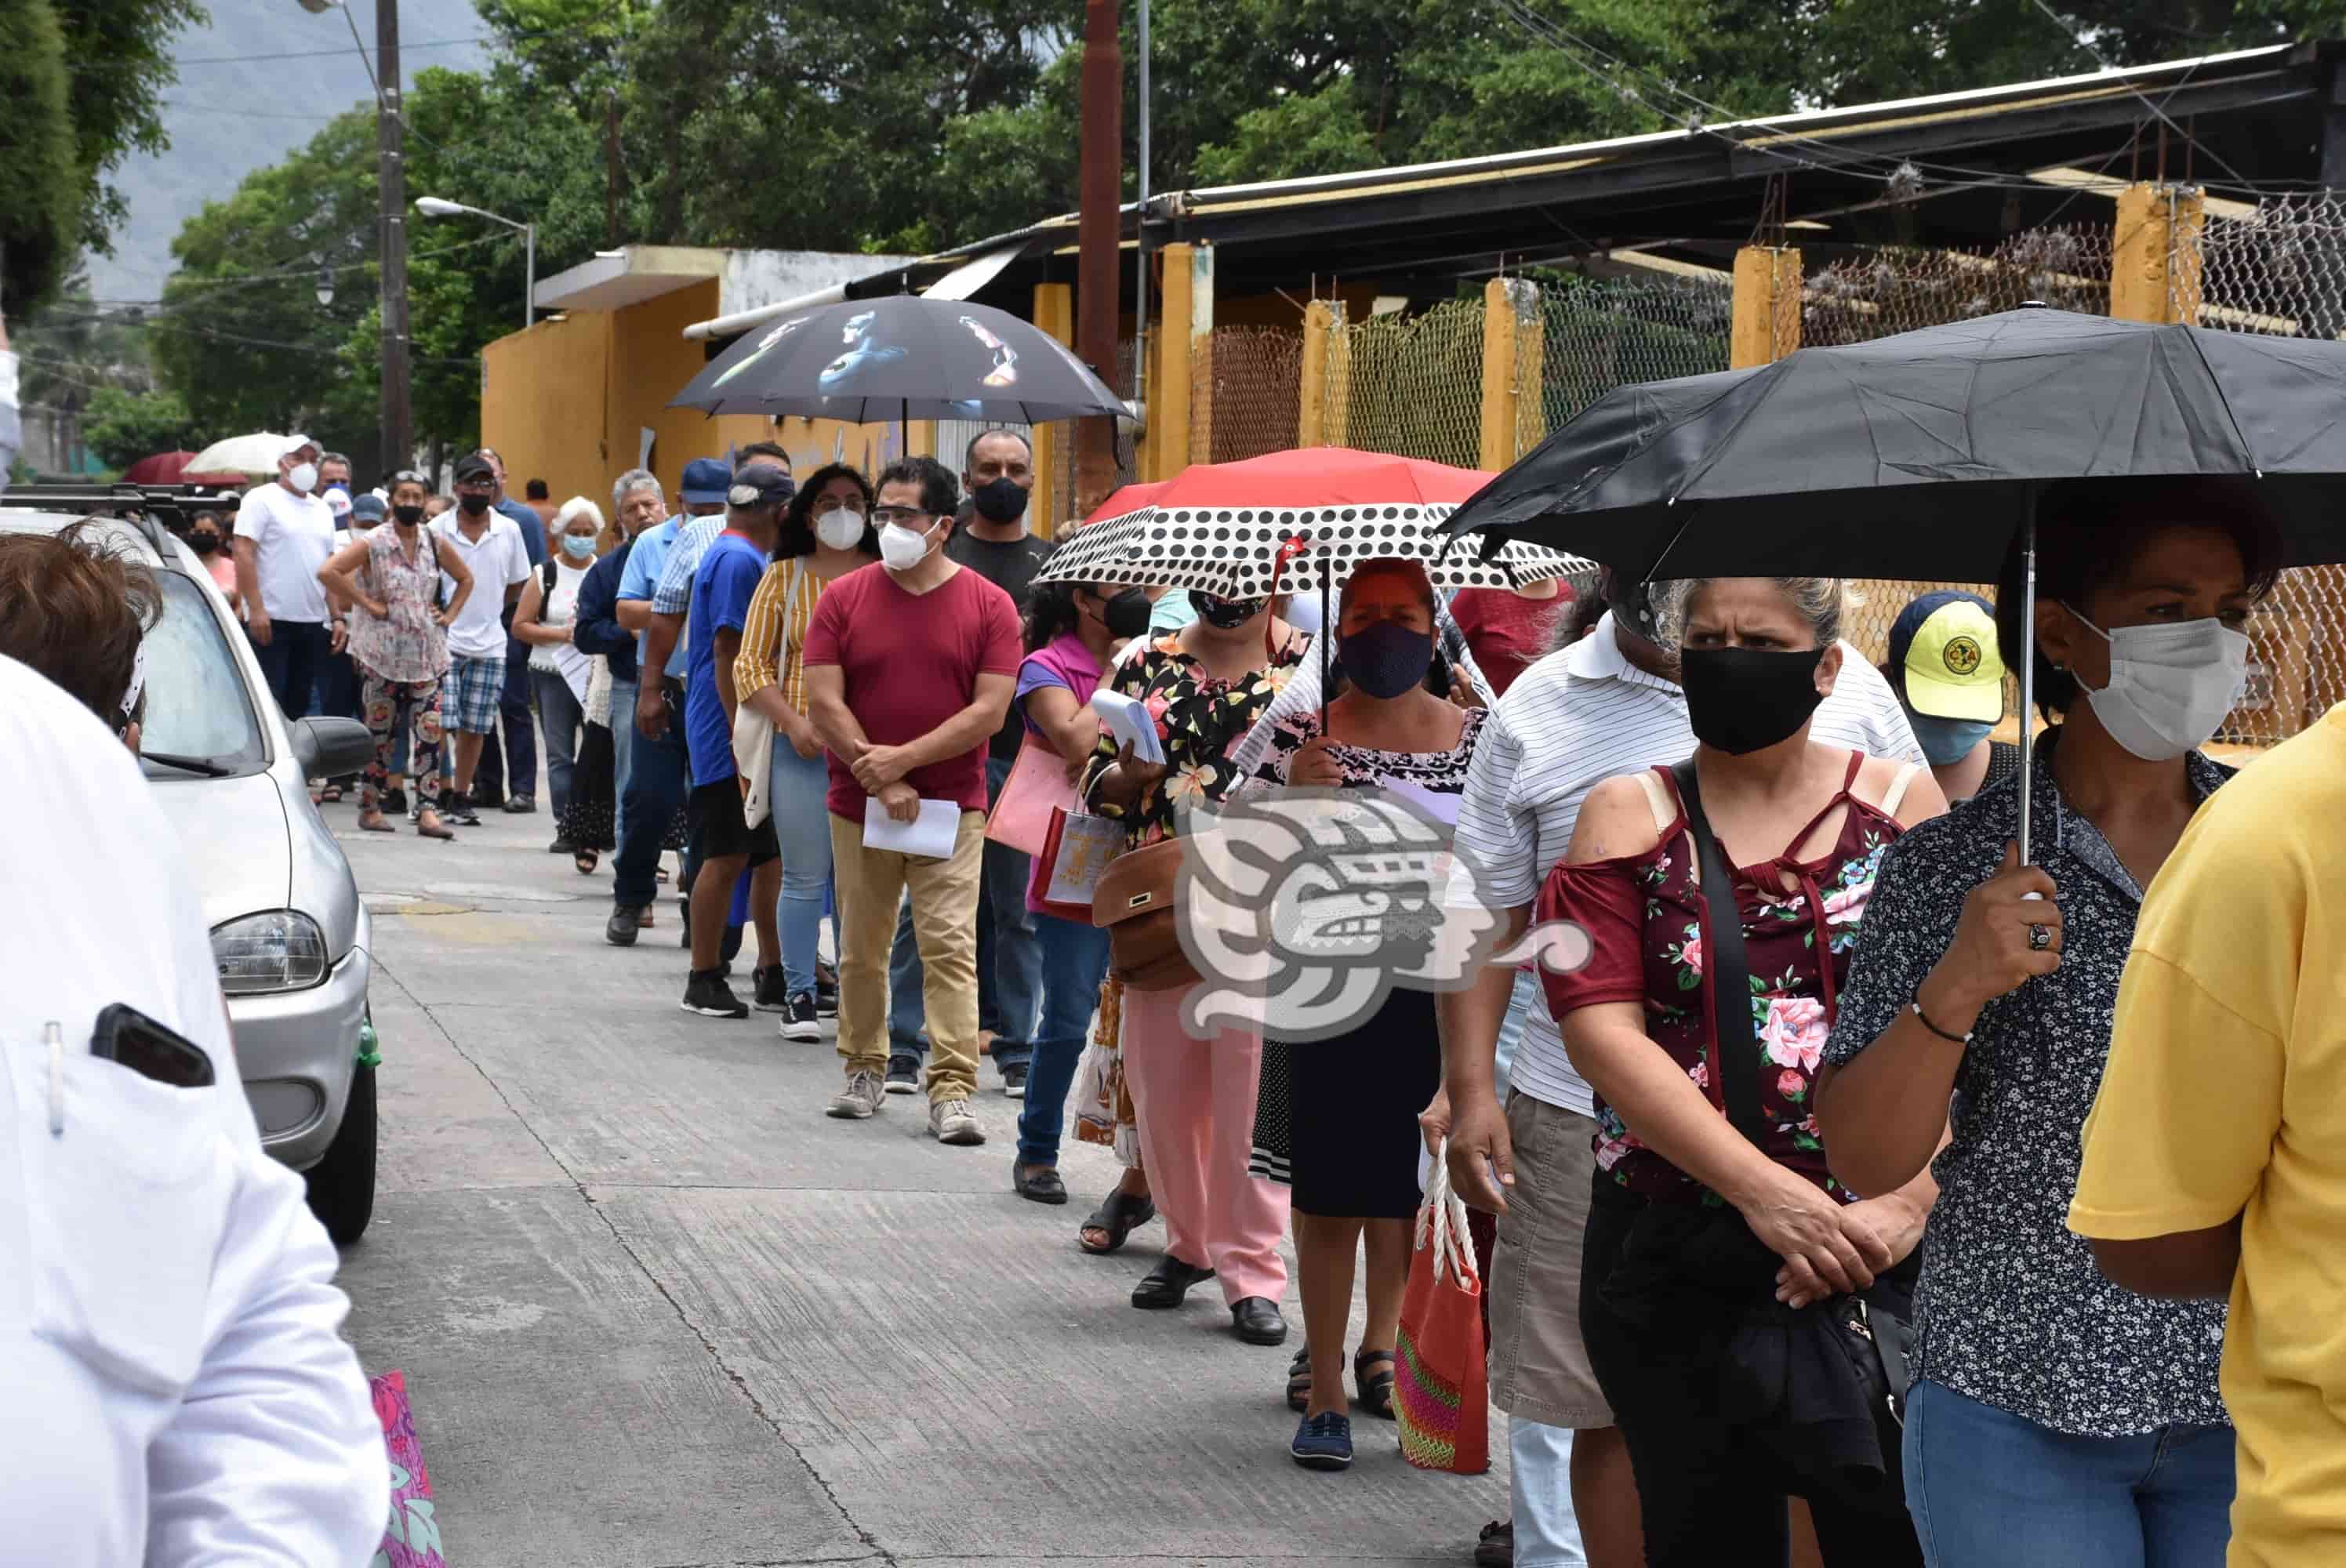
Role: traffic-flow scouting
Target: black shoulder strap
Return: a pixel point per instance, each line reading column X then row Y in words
column 1735, row 1048
column 547, row 578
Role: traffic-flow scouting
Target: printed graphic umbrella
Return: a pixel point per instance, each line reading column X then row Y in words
column 1921, row 455
column 900, row 357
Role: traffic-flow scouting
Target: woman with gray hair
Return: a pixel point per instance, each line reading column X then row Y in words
column 1722, row 1260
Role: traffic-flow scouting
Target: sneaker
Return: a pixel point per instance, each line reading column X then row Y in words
column 903, row 1075
column 1323, row 1441
column 798, row 1023
column 858, row 1101
column 456, row 807
column 520, row 806
column 767, row 984
column 620, row 930
column 1013, row 1083
column 1495, row 1548
column 562, row 845
column 951, row 1123
column 394, row 802
column 708, row 994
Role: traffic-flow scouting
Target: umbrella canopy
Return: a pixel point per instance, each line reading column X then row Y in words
column 902, row 357
column 1917, row 455
column 1293, row 521
column 253, row 455
column 163, row 468
column 1125, row 500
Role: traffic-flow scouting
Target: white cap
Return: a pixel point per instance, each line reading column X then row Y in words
column 294, row 444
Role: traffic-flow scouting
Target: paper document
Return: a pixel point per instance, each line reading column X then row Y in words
column 1087, row 844
column 930, row 834
column 1128, row 719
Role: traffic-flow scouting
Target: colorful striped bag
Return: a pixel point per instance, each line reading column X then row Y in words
column 1441, row 1385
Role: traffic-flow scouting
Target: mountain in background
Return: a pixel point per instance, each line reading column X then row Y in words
column 263, row 79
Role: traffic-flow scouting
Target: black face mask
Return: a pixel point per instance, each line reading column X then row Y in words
column 203, row 544
column 1742, row 700
column 1127, row 614
column 472, row 505
column 1000, row 500
column 1225, row 615
column 409, row 515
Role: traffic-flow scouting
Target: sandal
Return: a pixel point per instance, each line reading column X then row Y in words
column 1376, row 1390
column 1299, row 1380
column 372, row 822
column 1119, row 1214
column 330, row 794
column 585, row 860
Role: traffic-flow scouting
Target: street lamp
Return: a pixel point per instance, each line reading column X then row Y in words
column 325, row 285
column 433, row 207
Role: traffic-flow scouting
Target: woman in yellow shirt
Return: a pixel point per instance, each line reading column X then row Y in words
column 825, row 535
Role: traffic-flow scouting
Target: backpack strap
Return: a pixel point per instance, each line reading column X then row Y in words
column 1734, row 1045
column 1898, row 790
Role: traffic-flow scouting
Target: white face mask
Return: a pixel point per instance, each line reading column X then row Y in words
column 305, row 477
column 839, row 529
column 902, row 548
column 2170, row 686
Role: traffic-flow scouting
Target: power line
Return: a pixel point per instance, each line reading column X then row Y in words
column 329, row 352
column 332, row 53
column 2095, row 55
column 311, row 274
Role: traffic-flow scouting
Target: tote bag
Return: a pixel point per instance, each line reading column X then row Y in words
column 1441, row 1386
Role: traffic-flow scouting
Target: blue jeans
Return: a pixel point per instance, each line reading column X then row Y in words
column 655, row 787
column 623, row 753
column 564, row 721
column 802, row 827
column 1007, row 954
column 1075, row 961
column 293, row 661
column 1987, row 1487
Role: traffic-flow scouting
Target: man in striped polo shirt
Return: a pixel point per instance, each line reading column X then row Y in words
column 1607, row 704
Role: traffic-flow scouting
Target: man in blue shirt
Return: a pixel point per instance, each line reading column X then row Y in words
column 491, row 778
column 724, row 844
column 655, row 781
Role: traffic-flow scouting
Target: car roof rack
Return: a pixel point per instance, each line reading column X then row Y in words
column 152, row 507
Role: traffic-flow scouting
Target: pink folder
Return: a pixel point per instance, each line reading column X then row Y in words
column 1037, row 783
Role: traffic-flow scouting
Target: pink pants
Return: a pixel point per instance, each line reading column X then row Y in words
column 1194, row 1101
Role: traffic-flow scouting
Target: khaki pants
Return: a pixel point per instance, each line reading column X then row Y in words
column 871, row 884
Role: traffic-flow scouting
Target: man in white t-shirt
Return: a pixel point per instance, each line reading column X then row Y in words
column 1607, row 704
column 491, row 546
column 283, row 534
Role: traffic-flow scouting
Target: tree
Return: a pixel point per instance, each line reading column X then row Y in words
column 118, row 54
column 40, row 194
column 122, row 427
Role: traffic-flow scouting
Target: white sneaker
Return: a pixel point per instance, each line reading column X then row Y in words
column 951, row 1123
column 860, row 1099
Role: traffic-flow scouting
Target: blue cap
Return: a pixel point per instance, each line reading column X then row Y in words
column 705, row 481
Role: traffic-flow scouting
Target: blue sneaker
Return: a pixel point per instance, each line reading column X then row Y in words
column 1323, row 1441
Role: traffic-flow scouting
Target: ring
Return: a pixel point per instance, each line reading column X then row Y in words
column 2040, row 937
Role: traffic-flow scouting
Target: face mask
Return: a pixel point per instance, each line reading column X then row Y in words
column 1127, row 615
column 1000, row 500
column 203, row 544
column 840, row 528
column 578, row 546
column 472, row 505
column 1947, row 741
column 1385, row 660
column 410, row 515
column 1742, row 700
column 2170, row 686
column 305, row 477
column 902, row 548
column 1225, row 615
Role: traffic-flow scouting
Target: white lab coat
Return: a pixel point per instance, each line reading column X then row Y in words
column 173, row 1387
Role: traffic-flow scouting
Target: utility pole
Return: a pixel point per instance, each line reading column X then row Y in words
column 1099, row 234
column 390, row 186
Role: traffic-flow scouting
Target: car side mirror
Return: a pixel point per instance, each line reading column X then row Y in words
column 333, row 748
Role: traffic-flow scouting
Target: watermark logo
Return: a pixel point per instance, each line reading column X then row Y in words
column 1304, row 910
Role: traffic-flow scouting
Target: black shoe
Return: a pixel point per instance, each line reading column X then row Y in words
column 903, row 1075
column 520, row 806
column 684, row 909
column 798, row 1023
column 620, row 930
column 562, row 845
column 1256, row 1319
column 1013, row 1083
column 826, row 998
column 394, row 802
column 1165, row 1285
column 456, row 807
column 1038, row 1183
column 708, row 994
column 767, row 987
column 487, row 798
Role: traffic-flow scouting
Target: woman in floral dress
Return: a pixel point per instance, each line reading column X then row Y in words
column 1700, row 1230
column 1193, row 1100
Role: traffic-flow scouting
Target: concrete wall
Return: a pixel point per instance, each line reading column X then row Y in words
column 543, row 407
column 754, row 279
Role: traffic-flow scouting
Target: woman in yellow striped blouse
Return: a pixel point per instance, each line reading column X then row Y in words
column 825, row 535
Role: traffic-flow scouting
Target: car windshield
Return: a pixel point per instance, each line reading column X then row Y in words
column 196, row 704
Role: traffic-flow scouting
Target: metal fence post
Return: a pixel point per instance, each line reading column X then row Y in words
column 2155, row 265
column 1767, row 305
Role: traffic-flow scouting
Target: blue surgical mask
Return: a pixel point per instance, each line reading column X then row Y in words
column 1947, row 741
column 578, row 546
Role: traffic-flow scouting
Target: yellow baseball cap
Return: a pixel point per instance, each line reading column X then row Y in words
column 1944, row 642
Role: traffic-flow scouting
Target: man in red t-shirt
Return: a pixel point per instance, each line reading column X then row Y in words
column 909, row 667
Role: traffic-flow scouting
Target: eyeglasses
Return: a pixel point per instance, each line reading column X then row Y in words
column 883, row 515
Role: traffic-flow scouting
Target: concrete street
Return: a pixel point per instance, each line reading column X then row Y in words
column 655, row 1309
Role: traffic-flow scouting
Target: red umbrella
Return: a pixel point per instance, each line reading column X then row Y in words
column 1127, row 499
column 163, row 468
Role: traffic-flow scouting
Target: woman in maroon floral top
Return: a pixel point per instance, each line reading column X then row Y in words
column 1697, row 1232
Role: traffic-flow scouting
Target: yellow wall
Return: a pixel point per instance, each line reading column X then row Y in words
column 542, row 404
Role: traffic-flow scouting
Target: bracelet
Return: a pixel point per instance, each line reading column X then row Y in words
column 1915, row 1007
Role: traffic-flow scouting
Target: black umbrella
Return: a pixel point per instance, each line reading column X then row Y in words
column 1920, row 456
column 900, row 357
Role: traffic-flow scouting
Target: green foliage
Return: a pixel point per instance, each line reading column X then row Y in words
column 40, row 190
column 118, row 54
column 122, row 427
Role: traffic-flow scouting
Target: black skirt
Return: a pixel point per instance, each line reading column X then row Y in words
column 1352, row 1108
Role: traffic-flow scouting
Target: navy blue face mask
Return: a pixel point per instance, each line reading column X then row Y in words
column 1385, row 660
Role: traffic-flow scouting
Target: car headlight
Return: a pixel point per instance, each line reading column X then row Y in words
column 282, row 949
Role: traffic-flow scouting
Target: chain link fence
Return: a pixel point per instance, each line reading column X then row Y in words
column 1598, row 334
column 1246, row 393
column 1411, row 385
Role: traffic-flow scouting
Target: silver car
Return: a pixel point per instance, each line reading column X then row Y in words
column 287, row 928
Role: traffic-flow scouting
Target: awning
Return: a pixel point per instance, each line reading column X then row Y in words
column 965, row 281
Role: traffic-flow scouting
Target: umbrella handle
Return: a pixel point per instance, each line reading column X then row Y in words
column 2027, row 668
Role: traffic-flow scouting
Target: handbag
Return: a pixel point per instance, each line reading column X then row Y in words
column 1076, row 849
column 1021, row 817
column 1134, row 903
column 1441, row 1390
column 1878, row 1341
